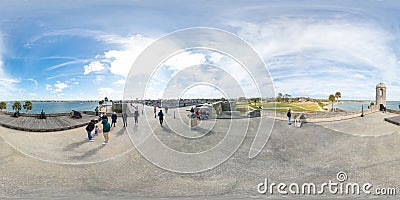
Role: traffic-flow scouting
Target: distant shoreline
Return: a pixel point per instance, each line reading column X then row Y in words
column 54, row 100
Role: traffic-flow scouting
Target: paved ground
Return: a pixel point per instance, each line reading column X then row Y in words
column 64, row 165
column 368, row 126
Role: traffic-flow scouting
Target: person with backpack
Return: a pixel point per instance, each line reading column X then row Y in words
column 89, row 129
column 106, row 130
column 289, row 115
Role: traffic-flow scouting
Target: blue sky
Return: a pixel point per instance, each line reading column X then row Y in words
column 84, row 49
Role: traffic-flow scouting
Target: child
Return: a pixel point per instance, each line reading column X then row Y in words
column 96, row 130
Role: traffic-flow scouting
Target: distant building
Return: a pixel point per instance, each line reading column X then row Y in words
column 380, row 96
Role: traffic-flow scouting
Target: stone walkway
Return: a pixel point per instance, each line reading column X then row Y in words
column 372, row 125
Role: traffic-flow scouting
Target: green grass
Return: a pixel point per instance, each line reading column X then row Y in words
column 283, row 107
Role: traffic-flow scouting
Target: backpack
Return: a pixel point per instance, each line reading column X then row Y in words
column 106, row 127
column 90, row 126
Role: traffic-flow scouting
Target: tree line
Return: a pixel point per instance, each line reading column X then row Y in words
column 17, row 106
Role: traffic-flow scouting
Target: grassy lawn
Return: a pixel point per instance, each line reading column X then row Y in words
column 283, row 107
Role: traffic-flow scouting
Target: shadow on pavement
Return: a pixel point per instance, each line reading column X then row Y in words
column 88, row 153
column 75, row 145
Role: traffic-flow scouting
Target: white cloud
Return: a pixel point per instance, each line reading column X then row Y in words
column 49, row 87
column 120, row 61
column 93, row 67
column 184, row 59
column 359, row 76
column 58, row 87
column 8, row 84
column 36, row 84
column 66, row 64
column 110, row 93
column 336, row 53
column 119, row 82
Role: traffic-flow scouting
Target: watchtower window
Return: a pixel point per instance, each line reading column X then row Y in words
column 380, row 92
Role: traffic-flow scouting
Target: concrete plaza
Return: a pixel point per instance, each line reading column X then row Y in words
column 65, row 165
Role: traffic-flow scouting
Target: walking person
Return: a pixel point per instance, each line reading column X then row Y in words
column 114, row 119
column 136, row 115
column 97, row 110
column 161, row 117
column 289, row 115
column 89, row 129
column 104, row 116
column 106, row 130
column 155, row 112
column 125, row 119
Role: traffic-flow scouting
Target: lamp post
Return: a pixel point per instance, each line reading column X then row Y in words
column 362, row 110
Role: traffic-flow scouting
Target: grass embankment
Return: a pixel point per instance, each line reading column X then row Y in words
column 283, row 107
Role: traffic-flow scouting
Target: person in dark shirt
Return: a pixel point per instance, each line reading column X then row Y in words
column 89, row 129
column 113, row 119
column 161, row 117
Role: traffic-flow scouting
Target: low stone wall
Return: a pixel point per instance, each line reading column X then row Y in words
column 320, row 116
column 393, row 111
column 22, row 114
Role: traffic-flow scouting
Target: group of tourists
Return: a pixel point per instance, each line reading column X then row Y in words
column 106, row 127
column 92, row 125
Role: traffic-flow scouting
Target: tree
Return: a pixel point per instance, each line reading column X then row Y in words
column 337, row 96
column 255, row 100
column 279, row 98
column 286, row 97
column 331, row 99
column 17, row 106
column 27, row 106
column 3, row 105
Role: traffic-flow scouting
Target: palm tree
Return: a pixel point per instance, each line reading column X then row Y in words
column 17, row 106
column 255, row 100
column 286, row 97
column 331, row 99
column 279, row 98
column 337, row 96
column 27, row 106
column 3, row 105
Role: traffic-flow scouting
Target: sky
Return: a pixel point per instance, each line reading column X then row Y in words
column 84, row 50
